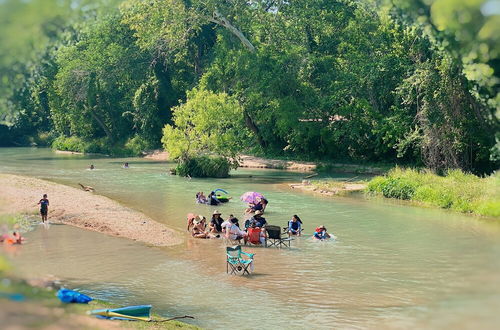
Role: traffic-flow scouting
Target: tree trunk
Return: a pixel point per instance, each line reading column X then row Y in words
column 217, row 18
column 100, row 123
column 251, row 126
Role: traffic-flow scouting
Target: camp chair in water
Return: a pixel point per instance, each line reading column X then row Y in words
column 235, row 263
column 274, row 237
column 254, row 236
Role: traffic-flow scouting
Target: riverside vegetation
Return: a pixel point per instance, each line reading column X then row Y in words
column 455, row 190
column 401, row 81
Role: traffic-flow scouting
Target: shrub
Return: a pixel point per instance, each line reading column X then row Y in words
column 204, row 167
column 398, row 188
column 71, row 143
column 98, row 146
column 137, row 145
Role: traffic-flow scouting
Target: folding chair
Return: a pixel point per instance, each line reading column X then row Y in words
column 254, row 236
column 235, row 263
column 274, row 237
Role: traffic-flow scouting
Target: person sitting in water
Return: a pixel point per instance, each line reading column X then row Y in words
column 125, row 165
column 201, row 198
column 199, row 227
column 253, row 207
column 258, row 219
column 212, row 199
column 234, row 232
column 216, row 223
column 91, row 167
column 321, row 233
column 256, row 235
column 264, row 203
column 228, row 223
column 294, row 226
column 190, row 220
column 16, row 238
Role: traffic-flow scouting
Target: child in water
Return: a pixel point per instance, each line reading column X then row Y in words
column 44, row 207
column 321, row 233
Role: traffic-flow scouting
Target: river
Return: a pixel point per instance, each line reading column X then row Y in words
column 393, row 266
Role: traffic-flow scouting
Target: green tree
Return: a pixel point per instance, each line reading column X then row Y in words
column 207, row 123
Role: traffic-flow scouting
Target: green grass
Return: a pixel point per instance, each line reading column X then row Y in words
column 20, row 222
column 456, row 190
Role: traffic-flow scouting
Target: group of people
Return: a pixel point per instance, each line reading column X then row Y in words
column 212, row 198
column 125, row 165
column 199, row 228
column 217, row 227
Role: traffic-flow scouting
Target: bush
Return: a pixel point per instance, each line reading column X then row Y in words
column 204, row 167
column 97, row 146
column 71, row 143
column 137, row 145
column 456, row 190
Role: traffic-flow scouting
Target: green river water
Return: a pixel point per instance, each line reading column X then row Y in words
column 393, row 266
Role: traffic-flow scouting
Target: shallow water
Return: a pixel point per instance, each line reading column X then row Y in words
column 393, row 265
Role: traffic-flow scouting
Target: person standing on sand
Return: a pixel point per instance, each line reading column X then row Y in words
column 44, row 207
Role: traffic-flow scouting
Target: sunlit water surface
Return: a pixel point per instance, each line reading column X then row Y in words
column 393, row 266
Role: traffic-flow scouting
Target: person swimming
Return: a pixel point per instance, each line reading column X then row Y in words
column 125, row 165
column 91, row 167
column 321, row 234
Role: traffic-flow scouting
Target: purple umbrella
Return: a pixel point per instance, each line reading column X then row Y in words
column 251, row 197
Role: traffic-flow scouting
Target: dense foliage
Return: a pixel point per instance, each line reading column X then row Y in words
column 400, row 81
column 204, row 167
column 456, row 190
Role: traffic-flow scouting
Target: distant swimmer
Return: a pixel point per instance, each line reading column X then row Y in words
column 91, row 167
column 44, row 207
column 125, row 165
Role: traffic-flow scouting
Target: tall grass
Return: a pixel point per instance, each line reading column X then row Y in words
column 456, row 190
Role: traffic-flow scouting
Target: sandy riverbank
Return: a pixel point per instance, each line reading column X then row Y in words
column 82, row 209
column 326, row 189
column 247, row 161
column 259, row 162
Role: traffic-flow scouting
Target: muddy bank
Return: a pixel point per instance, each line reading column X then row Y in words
column 82, row 209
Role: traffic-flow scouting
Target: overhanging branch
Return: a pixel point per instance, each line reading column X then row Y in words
column 217, row 18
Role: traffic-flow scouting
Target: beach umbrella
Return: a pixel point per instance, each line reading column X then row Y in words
column 251, row 197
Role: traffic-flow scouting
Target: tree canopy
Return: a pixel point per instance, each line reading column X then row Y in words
column 375, row 80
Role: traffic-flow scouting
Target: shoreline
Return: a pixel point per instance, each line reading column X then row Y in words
column 340, row 189
column 78, row 208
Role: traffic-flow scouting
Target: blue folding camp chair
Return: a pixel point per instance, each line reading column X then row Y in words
column 235, row 262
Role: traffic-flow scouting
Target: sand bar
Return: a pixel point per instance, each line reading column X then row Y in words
column 75, row 207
